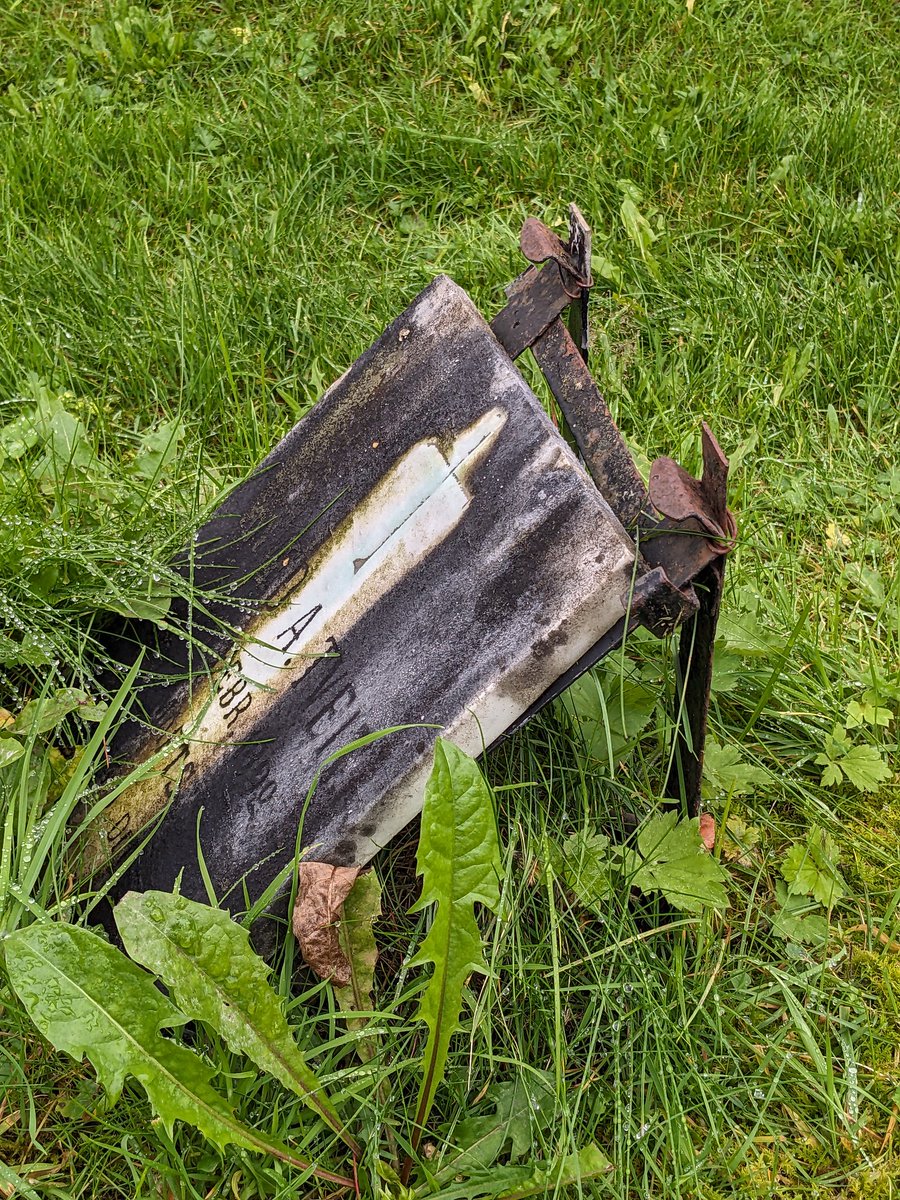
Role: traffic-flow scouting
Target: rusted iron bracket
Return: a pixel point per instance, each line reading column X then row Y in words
column 681, row 525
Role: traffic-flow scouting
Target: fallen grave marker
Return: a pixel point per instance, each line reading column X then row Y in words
column 423, row 550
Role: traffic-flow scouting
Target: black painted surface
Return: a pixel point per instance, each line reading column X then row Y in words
column 533, row 574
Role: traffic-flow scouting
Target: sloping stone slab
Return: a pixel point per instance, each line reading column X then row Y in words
column 422, row 549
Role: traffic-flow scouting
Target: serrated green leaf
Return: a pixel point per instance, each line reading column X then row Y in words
column 362, row 908
column 867, row 713
column 725, row 772
column 664, row 836
column 583, row 863
column 675, row 862
column 459, row 861
column 862, row 765
column 800, row 871
column 741, row 840
column 540, row 1178
column 610, row 712
column 206, row 962
column 865, row 768
column 521, row 1108
column 729, row 670
column 839, row 740
column 742, row 629
column 87, row 998
column 797, row 919
column 832, row 775
column 810, row 869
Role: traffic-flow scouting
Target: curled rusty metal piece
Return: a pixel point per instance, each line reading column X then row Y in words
column 685, row 500
column 682, row 523
column 660, row 605
column 540, row 244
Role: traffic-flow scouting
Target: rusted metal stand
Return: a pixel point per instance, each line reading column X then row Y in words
column 681, row 525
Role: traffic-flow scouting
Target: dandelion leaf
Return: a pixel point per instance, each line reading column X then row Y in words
column 459, row 861
column 206, row 962
column 88, row 999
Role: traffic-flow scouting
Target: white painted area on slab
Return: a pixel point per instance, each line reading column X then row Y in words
column 411, row 510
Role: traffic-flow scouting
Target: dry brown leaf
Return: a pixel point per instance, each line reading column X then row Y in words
column 321, row 892
column 708, row 831
column 882, row 937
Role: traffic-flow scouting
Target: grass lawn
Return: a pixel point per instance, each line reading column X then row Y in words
column 207, row 212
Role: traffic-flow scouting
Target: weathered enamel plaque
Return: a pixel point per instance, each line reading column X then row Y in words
column 424, row 550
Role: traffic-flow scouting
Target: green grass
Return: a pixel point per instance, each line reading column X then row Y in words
column 208, row 211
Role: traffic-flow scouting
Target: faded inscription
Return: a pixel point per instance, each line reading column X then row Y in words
column 411, row 510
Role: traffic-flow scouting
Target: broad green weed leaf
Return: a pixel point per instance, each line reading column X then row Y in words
column 69, row 447
column 18, row 437
column 158, row 450
column 537, row 1179
column 40, row 716
column 675, row 862
column 636, row 225
column 868, row 582
column 357, row 940
column 520, row 1109
column 725, row 772
column 810, row 869
column 28, row 652
column 13, row 1184
column 583, row 862
column 865, row 768
column 10, row 750
column 459, row 861
column 797, row 919
column 152, row 605
column 206, row 962
column 603, row 268
column 87, row 998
